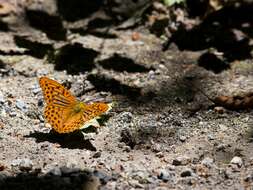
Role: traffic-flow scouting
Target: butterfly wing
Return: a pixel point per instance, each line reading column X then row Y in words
column 94, row 110
column 75, row 121
column 72, row 123
column 60, row 103
column 54, row 93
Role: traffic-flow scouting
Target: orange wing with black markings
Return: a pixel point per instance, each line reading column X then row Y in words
column 63, row 112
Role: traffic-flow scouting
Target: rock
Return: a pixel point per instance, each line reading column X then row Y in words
column 23, row 164
column 223, row 127
column 127, row 148
column 186, row 173
column 13, row 114
column 221, row 147
column 72, row 163
column 55, row 172
column 159, row 154
column 219, row 109
column 210, row 137
column 202, row 170
column 3, row 176
column 102, row 177
column 36, row 89
column 151, row 180
column 182, row 138
column 140, row 175
column 41, row 118
column 249, row 178
column 237, row 161
column 166, row 175
column 208, row 162
column 1, row 98
column 67, row 170
column 181, row 160
column 126, row 117
column 156, row 148
column 20, row 104
column 134, row 183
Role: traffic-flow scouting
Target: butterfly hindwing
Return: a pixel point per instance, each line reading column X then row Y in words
column 72, row 123
column 53, row 116
column 93, row 110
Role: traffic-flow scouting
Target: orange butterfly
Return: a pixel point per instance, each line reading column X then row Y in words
column 63, row 111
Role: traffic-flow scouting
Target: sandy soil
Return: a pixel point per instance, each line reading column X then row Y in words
column 162, row 133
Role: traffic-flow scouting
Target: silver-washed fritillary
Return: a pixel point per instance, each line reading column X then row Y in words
column 63, row 111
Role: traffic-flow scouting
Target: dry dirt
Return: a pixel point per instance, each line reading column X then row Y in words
column 162, row 133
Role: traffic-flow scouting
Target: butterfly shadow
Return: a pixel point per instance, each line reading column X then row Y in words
column 74, row 140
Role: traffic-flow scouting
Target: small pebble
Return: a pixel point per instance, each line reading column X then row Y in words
column 237, row 161
column 182, row 138
column 126, row 117
column 223, row 127
column 23, row 164
column 140, row 175
column 221, row 147
column 219, row 109
column 135, row 183
column 249, row 178
column 156, row 148
column 127, row 148
column 67, row 170
column 13, row 114
column 166, row 175
column 208, row 162
column 55, row 172
column 36, row 90
column 160, row 154
column 1, row 98
column 181, row 160
column 20, row 104
column 102, row 176
column 210, row 137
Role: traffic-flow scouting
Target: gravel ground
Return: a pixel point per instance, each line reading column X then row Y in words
column 162, row 133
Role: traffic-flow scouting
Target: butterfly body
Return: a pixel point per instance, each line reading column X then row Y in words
column 80, row 106
column 63, row 111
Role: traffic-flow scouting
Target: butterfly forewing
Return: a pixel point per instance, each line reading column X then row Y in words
column 55, row 93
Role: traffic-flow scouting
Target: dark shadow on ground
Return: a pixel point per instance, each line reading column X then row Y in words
column 228, row 31
column 4, row 26
column 114, row 86
column 35, row 49
column 75, row 58
column 62, row 178
column 120, row 63
column 50, row 24
column 77, row 9
column 73, row 140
